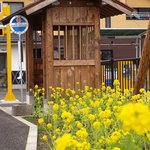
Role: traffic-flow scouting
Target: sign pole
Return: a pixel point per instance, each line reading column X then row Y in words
column 19, row 25
column 20, row 62
column 9, row 96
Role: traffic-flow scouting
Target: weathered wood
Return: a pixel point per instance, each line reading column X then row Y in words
column 74, row 63
column 70, row 77
column 29, row 57
column 44, row 49
column 144, row 63
column 57, row 75
column 97, row 49
column 49, row 48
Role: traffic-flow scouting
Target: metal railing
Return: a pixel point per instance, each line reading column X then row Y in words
column 124, row 70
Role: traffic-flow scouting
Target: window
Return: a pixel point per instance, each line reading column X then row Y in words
column 14, row 6
column 73, row 42
column 141, row 14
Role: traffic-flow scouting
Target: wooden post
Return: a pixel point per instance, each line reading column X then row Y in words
column 144, row 63
column 44, row 50
column 49, row 49
column 29, row 57
column 97, row 49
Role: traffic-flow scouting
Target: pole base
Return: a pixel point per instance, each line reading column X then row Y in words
column 10, row 97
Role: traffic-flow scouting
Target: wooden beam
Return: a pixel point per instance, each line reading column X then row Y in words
column 144, row 63
column 39, row 6
column 74, row 63
column 97, row 49
column 49, row 46
column 29, row 57
column 121, row 7
column 44, row 50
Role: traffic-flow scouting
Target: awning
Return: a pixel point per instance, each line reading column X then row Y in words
column 122, row 32
column 107, row 8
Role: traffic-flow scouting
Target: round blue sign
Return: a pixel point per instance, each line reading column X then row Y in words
column 19, row 24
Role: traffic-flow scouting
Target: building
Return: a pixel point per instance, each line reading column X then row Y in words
column 77, row 57
column 125, row 33
column 14, row 6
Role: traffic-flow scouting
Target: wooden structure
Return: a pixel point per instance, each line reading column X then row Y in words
column 69, row 49
column 144, row 63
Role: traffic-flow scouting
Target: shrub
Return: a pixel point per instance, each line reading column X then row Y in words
column 96, row 119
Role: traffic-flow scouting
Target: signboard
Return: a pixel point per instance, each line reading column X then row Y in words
column 19, row 24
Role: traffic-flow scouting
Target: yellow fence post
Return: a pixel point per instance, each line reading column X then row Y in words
column 9, row 95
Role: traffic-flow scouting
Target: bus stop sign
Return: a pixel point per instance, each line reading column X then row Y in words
column 19, row 24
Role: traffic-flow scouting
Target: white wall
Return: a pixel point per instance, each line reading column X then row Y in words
column 15, row 58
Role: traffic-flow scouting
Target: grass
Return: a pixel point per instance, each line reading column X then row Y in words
column 40, row 144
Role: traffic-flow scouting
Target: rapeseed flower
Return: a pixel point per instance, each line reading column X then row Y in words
column 40, row 121
column 135, row 116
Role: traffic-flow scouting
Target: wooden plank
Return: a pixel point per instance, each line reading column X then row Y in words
column 39, row 6
column 77, row 77
column 55, row 15
column 73, row 43
column 87, row 44
column 66, row 43
column 59, row 53
column 97, row 50
column 80, row 42
column 29, row 57
column 44, row 50
column 64, row 77
column 84, row 76
column 72, row 23
column 77, row 15
column 49, row 48
column 74, row 62
column 63, row 13
column 91, row 77
column 57, row 75
column 70, row 78
column 70, row 15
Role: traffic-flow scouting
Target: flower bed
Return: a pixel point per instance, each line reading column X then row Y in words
column 94, row 119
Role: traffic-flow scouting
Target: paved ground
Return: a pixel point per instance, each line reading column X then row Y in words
column 16, row 92
column 13, row 133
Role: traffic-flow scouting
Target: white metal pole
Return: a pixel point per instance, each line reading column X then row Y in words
column 19, row 52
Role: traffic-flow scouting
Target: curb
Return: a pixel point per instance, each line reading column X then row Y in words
column 33, row 132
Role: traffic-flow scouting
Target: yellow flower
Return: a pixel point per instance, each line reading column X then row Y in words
column 79, row 124
column 96, row 125
column 54, row 116
column 91, row 117
column 115, row 136
column 116, row 82
column 55, row 107
column 40, row 121
column 82, row 134
column 135, row 116
column 44, row 138
column 49, row 125
column 116, row 148
column 36, row 86
column 142, row 90
column 64, row 142
column 57, row 130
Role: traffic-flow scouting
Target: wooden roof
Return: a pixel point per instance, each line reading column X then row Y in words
column 107, row 8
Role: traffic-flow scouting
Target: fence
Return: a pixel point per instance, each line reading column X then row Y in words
column 124, row 70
